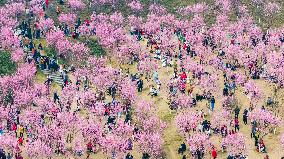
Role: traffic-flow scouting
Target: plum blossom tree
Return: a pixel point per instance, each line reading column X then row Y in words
column 135, row 6
column 147, row 66
column 135, row 22
column 46, row 24
column 8, row 142
column 126, row 50
column 80, row 51
column 209, row 82
column 68, row 19
column 14, row 9
column 157, row 9
column 226, row 5
column 146, row 117
column 235, row 144
column 8, row 40
column 271, row 8
column 183, row 101
column 252, row 91
column 128, row 91
column 78, row 145
column 36, row 7
column 18, row 55
column 265, row 119
column 194, row 9
column 199, row 142
column 193, row 66
column 38, row 149
column 54, row 36
column 150, row 143
column 187, row 121
column 76, row 4
column 221, row 118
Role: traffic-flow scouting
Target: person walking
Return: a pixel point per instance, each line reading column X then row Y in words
column 237, row 112
column 245, row 117
column 212, row 102
column 214, row 153
column 237, row 126
column 55, row 97
column 140, row 85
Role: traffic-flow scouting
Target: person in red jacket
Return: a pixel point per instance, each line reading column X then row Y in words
column 20, row 141
column 87, row 22
column 214, row 153
column 183, row 76
column 14, row 128
column 90, row 147
column 46, row 3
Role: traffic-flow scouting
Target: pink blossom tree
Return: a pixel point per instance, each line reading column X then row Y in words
column 76, row 4
column 188, row 121
column 265, row 119
column 147, row 66
column 136, row 6
column 36, row 7
column 80, row 51
column 235, row 144
column 38, row 149
column 221, row 118
column 68, row 19
column 150, row 143
column 198, row 142
column 46, row 24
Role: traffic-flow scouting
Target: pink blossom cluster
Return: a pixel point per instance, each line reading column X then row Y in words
column 221, row 118
column 147, row 65
column 264, row 118
column 46, row 24
column 188, row 121
column 157, row 9
column 198, row 141
column 36, row 6
column 234, row 144
column 194, row 9
column 135, row 5
column 150, row 143
column 76, row 4
column 68, row 19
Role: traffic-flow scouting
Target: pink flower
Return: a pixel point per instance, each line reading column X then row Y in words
column 234, row 144
column 68, row 19
column 135, row 5
column 188, row 121
column 76, row 4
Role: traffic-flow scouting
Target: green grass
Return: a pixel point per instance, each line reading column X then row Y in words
column 7, row 65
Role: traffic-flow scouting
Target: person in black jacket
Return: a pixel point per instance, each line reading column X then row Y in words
column 245, row 116
column 129, row 156
column 2, row 154
column 140, row 85
column 182, row 148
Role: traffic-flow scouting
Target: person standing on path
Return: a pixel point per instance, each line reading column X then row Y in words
column 214, row 153
column 237, row 112
column 212, row 102
column 237, row 126
column 245, row 117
